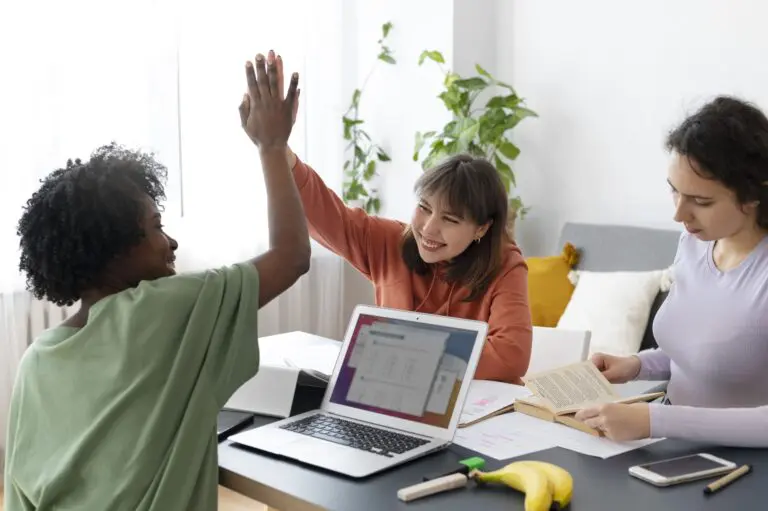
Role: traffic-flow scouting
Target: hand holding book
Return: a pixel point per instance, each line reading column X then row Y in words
column 560, row 393
column 618, row 421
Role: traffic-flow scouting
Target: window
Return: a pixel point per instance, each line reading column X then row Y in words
column 166, row 77
column 221, row 179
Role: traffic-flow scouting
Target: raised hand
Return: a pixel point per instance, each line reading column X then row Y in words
column 281, row 85
column 265, row 114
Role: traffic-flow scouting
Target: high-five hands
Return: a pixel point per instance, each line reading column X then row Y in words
column 265, row 114
column 281, row 85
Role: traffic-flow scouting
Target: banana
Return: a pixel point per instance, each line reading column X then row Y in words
column 525, row 478
column 561, row 479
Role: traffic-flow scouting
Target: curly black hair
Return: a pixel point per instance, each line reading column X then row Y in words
column 82, row 217
column 727, row 140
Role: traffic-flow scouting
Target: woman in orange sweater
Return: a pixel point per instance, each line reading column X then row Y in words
column 455, row 258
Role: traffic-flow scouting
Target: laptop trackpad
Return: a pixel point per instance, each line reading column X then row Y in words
column 267, row 438
column 327, row 453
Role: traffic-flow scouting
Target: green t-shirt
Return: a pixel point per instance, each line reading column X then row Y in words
column 121, row 414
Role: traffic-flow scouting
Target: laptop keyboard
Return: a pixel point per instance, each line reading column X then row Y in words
column 354, row 434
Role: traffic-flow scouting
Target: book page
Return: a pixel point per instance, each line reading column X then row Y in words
column 572, row 387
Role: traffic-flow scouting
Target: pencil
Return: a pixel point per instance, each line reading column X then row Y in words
column 727, row 479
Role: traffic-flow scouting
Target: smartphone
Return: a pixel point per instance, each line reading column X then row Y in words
column 682, row 469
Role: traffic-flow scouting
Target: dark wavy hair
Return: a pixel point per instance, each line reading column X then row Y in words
column 82, row 217
column 727, row 140
column 472, row 186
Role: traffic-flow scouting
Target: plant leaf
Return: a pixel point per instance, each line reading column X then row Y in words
column 467, row 137
column 510, row 101
column 350, row 189
column 382, row 155
column 352, row 122
column 467, row 130
column 505, row 171
column 436, row 154
column 474, row 83
column 348, row 123
column 385, row 28
column 523, row 112
column 355, row 190
column 435, row 56
column 509, row 150
column 386, row 58
column 370, row 170
column 421, row 139
column 356, row 98
column 453, row 99
column 482, row 71
column 450, row 77
column 359, row 154
column 516, row 204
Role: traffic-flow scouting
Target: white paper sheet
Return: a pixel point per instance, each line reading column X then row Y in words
column 485, row 397
column 515, row 434
column 584, row 443
column 281, row 357
column 269, row 393
column 505, row 436
column 300, row 350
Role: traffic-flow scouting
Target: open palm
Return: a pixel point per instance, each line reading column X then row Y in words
column 281, row 85
column 266, row 113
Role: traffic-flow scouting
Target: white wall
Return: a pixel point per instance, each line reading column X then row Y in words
column 609, row 79
column 401, row 99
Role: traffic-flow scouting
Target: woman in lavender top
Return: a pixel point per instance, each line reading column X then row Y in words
column 712, row 329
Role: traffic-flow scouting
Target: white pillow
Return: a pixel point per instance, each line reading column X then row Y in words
column 614, row 306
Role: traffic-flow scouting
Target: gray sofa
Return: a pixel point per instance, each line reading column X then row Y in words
column 623, row 248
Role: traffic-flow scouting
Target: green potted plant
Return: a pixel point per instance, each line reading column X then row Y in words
column 481, row 130
column 363, row 155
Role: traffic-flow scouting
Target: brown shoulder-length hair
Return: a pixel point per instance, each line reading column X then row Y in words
column 471, row 186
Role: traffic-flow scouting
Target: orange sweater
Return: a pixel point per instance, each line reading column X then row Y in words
column 372, row 245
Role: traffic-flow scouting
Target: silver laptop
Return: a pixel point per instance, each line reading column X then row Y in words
column 396, row 394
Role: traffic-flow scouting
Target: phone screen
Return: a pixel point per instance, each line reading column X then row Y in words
column 682, row 466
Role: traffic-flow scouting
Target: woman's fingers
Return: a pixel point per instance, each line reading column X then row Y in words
column 274, row 87
column 250, row 76
column 261, row 77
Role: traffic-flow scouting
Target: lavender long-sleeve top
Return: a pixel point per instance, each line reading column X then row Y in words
column 712, row 332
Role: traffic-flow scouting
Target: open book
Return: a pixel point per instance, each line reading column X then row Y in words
column 559, row 393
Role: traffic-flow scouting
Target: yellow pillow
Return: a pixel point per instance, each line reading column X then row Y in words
column 549, row 289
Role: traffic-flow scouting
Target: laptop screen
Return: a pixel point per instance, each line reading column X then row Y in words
column 404, row 369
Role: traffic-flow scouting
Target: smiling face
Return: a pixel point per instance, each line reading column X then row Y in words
column 707, row 208
column 153, row 257
column 442, row 234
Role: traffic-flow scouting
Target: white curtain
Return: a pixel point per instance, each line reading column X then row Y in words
column 166, row 77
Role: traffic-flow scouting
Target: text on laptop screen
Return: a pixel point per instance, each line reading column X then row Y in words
column 404, row 369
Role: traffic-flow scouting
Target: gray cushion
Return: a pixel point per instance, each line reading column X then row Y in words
column 623, row 248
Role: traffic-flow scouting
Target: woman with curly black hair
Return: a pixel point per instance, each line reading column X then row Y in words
column 116, row 408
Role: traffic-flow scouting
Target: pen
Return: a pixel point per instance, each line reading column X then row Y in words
column 727, row 479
